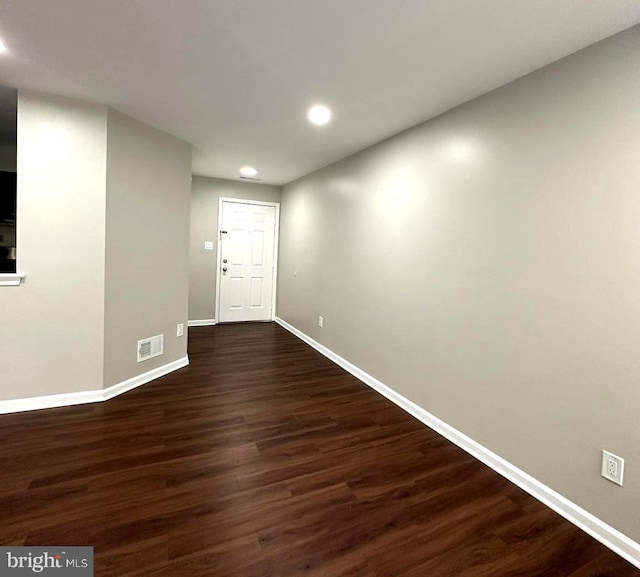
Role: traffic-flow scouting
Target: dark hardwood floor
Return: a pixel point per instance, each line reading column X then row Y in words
column 263, row 459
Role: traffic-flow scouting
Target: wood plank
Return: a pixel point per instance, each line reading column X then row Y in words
column 264, row 459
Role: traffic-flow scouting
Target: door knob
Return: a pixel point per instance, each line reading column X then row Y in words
column 225, row 261
column 224, row 269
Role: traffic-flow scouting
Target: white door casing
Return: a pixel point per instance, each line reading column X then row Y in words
column 246, row 260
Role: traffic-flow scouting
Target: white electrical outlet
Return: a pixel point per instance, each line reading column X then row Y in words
column 320, row 322
column 180, row 330
column 208, row 245
column 612, row 467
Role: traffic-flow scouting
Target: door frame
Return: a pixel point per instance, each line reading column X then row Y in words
column 276, row 240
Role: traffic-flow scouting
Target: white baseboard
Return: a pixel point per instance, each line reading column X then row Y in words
column 144, row 378
column 202, row 323
column 618, row 542
column 83, row 397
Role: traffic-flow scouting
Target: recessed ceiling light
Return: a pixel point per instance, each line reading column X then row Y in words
column 319, row 114
column 248, row 171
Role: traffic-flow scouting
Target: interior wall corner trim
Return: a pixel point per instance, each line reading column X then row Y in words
column 615, row 540
column 84, row 397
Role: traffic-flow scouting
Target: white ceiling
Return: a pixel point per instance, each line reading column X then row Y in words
column 234, row 77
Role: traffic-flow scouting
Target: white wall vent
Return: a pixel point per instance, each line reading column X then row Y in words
column 151, row 347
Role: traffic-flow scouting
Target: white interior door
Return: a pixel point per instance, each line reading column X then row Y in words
column 247, row 248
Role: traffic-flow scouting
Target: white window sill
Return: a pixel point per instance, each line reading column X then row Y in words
column 10, row 279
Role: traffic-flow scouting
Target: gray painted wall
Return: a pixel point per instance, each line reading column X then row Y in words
column 52, row 327
column 103, row 228
column 486, row 265
column 205, row 193
column 147, row 245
